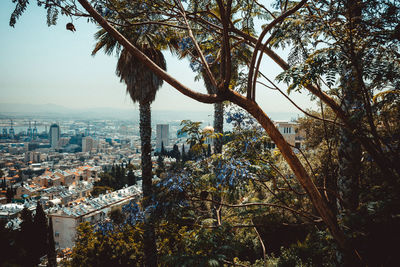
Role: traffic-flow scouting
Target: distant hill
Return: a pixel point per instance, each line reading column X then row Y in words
column 8, row 110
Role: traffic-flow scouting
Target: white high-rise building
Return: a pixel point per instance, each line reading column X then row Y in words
column 54, row 135
column 162, row 136
column 88, row 143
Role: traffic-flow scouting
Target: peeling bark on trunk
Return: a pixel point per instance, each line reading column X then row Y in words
column 149, row 239
column 218, row 125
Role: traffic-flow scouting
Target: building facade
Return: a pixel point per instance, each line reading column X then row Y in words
column 67, row 219
column 291, row 132
column 88, row 144
column 54, row 135
column 162, row 136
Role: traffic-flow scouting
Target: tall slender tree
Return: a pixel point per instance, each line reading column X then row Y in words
column 40, row 226
column 27, row 239
column 142, row 86
column 51, row 247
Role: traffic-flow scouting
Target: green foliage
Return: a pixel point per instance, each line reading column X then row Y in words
column 373, row 221
column 119, row 248
column 345, row 49
column 175, row 153
column 116, row 216
column 316, row 250
column 114, row 179
column 97, row 190
column 20, row 8
column 10, row 193
column 203, row 247
column 51, row 247
column 197, row 138
column 26, row 245
column 41, row 229
column 10, row 250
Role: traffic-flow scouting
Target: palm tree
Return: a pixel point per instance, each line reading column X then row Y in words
column 142, row 86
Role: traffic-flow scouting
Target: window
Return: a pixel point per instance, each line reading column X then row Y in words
column 287, row 130
column 56, row 234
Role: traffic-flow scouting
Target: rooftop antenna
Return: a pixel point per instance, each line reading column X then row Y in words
column 35, row 129
column 87, row 131
column 11, row 132
column 29, row 129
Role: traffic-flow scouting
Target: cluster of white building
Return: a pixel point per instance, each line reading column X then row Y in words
column 67, row 218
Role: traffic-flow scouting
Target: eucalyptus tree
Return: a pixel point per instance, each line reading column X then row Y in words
column 350, row 50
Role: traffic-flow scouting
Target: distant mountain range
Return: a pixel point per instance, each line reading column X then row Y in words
column 53, row 111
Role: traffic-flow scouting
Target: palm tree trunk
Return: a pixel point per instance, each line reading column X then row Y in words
column 218, row 125
column 149, row 239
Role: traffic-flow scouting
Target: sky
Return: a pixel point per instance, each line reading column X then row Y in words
column 50, row 65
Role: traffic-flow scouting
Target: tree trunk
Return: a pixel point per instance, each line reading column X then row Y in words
column 349, row 150
column 320, row 204
column 149, row 239
column 218, row 125
column 349, row 153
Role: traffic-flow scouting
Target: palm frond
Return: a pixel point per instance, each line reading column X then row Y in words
column 141, row 83
column 106, row 42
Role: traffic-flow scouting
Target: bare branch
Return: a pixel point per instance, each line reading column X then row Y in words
column 250, row 90
column 196, row 45
column 294, row 104
column 205, row 98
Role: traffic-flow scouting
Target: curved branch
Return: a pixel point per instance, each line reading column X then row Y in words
column 204, row 98
column 302, row 176
column 250, row 92
column 382, row 162
column 294, row 104
column 196, row 45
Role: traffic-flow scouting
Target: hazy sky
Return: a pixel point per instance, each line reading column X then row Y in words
column 41, row 64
